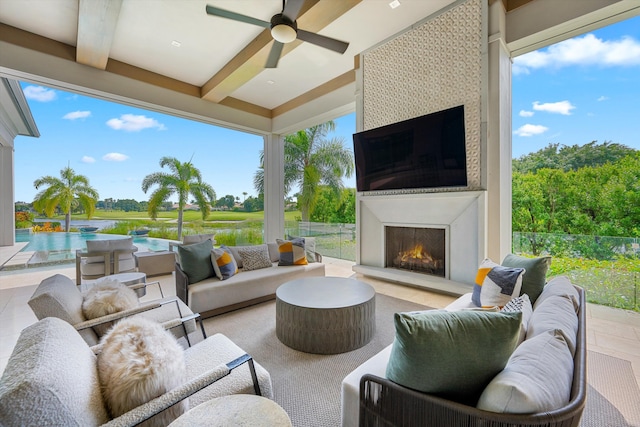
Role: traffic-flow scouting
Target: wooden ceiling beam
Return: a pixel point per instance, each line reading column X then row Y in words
column 97, row 20
column 314, row 16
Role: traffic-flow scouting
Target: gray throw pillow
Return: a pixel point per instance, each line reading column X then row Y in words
column 452, row 354
column 255, row 258
column 195, row 260
column 535, row 275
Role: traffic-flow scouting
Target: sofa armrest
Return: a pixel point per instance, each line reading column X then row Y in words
column 182, row 284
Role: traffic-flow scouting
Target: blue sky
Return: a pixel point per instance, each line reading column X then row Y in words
column 575, row 92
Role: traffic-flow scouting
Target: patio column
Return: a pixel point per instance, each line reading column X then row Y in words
column 499, row 137
column 273, row 187
column 7, row 218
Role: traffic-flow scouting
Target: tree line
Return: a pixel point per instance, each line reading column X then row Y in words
column 592, row 189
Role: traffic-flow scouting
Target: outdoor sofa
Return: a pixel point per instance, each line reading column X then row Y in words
column 370, row 398
column 211, row 296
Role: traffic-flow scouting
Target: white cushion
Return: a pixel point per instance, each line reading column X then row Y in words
column 51, row 379
column 108, row 246
column 522, row 304
column 219, row 349
column 57, row 296
column 496, row 285
column 377, row 365
column 555, row 312
column 537, row 378
column 560, row 285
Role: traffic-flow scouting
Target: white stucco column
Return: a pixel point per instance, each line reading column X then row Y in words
column 273, row 187
column 7, row 218
column 499, row 138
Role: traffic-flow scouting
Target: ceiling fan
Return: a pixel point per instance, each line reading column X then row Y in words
column 284, row 29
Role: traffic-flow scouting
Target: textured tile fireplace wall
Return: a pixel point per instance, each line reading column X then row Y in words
column 436, row 64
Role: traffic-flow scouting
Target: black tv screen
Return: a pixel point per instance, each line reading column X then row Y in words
column 424, row 152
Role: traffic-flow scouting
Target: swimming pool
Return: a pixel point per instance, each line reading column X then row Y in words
column 55, row 248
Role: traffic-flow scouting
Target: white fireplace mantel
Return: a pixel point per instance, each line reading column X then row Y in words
column 461, row 212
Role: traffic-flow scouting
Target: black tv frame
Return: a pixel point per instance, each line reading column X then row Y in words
column 420, row 153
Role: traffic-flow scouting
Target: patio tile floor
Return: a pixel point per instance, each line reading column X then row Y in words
column 610, row 331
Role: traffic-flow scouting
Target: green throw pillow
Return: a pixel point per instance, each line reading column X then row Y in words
column 195, row 260
column 535, row 275
column 452, row 354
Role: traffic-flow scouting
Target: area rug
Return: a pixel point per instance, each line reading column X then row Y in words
column 307, row 386
column 613, row 396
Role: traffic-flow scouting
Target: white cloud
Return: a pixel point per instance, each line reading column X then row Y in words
column 525, row 113
column 115, row 157
column 585, row 50
column 39, row 93
column 77, row 115
column 561, row 107
column 603, row 98
column 88, row 159
column 134, row 123
column 530, row 130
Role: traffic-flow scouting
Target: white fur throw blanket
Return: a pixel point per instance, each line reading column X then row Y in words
column 140, row 361
column 107, row 297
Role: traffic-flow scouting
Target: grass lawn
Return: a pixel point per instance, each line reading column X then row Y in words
column 188, row 216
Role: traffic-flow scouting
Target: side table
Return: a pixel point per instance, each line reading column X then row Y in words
column 235, row 410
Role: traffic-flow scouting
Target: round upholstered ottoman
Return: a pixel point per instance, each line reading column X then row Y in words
column 234, row 410
column 325, row 315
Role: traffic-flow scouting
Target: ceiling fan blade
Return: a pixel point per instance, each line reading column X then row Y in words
column 322, row 41
column 274, row 55
column 236, row 16
column 292, row 9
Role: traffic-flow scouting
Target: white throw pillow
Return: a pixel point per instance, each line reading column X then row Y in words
column 522, row 304
column 537, row 378
column 496, row 285
column 140, row 361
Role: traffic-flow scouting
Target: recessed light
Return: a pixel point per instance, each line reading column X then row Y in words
column 394, row 4
column 176, row 43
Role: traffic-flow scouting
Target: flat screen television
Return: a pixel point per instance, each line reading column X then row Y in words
column 423, row 152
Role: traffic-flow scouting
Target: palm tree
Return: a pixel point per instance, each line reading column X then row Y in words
column 312, row 160
column 66, row 192
column 183, row 180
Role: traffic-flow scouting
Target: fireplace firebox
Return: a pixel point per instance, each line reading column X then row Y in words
column 416, row 249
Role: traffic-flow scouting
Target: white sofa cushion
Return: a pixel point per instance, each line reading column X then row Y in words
column 109, row 245
column 537, row 378
column 212, row 293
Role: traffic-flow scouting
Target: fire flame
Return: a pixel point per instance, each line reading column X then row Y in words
column 417, row 252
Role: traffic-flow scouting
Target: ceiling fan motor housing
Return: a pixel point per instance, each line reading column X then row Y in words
column 283, row 29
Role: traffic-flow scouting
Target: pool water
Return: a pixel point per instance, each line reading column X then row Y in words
column 53, row 248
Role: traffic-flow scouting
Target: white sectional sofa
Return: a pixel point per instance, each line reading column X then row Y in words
column 213, row 296
column 385, row 402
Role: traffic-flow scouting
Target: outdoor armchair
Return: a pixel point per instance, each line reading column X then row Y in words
column 57, row 296
column 51, row 378
column 105, row 257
